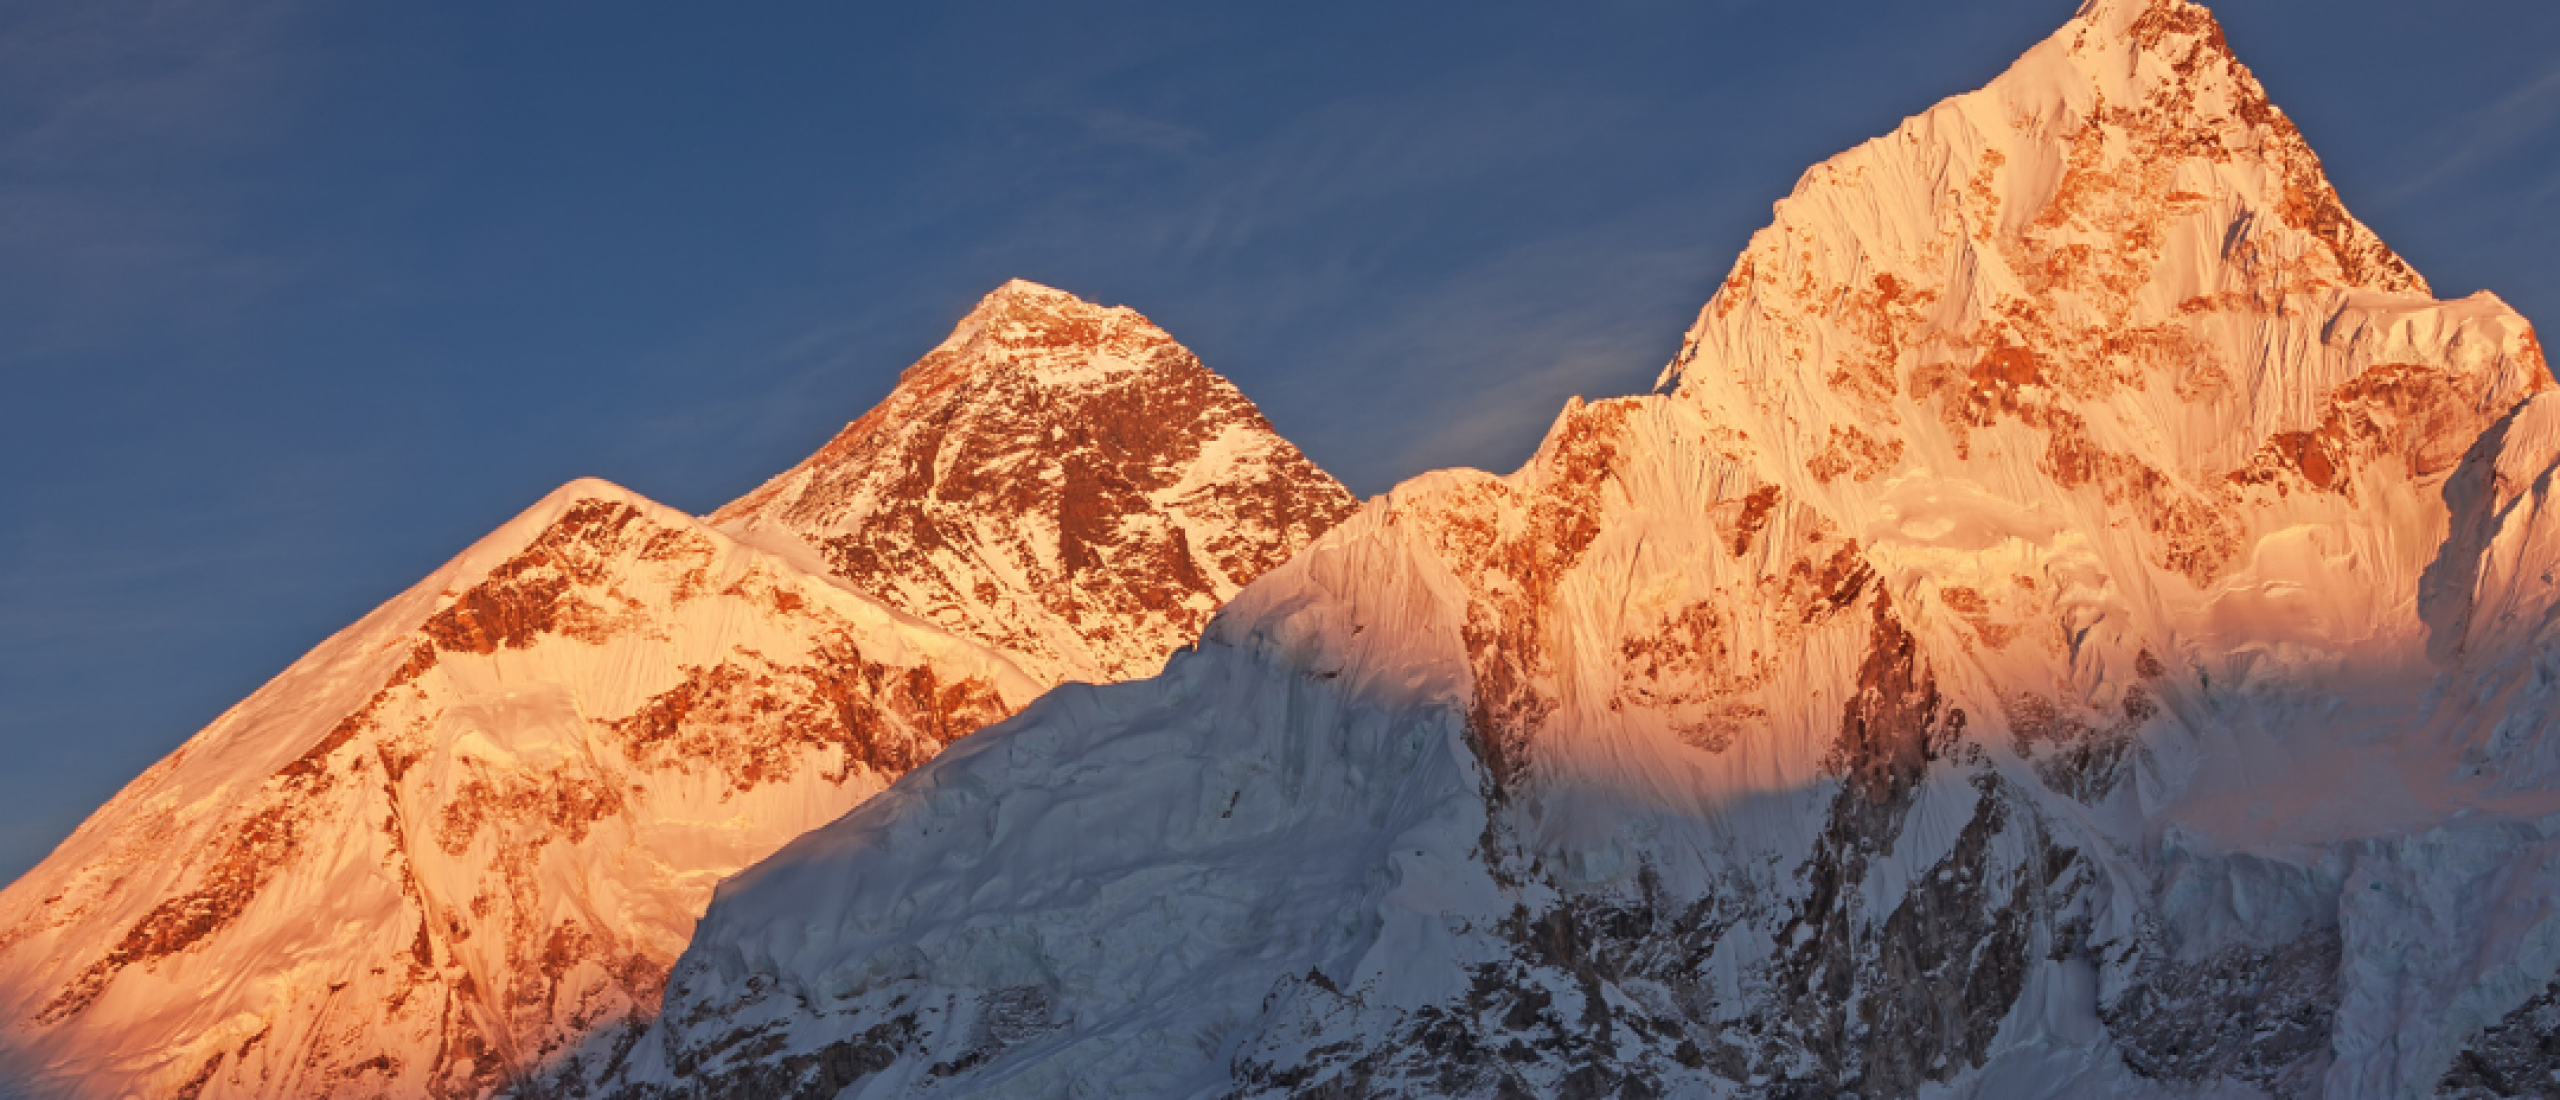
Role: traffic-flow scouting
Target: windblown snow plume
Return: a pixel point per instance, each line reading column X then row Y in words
column 466, row 837
column 2072, row 623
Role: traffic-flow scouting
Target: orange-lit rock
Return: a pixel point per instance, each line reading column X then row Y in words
column 1058, row 479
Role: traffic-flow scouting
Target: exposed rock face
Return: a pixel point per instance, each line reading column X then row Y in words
column 460, row 844
column 2513, row 1057
column 1060, row 480
column 2071, row 624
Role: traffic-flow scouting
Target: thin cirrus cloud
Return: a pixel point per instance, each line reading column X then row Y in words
column 110, row 114
column 82, row 76
column 1493, row 326
column 2523, row 119
column 121, row 261
column 1107, row 127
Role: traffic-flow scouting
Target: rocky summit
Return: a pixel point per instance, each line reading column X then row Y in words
column 1061, row 481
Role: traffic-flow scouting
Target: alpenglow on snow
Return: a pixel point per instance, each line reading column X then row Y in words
column 468, row 835
column 2072, row 621
column 2070, row 624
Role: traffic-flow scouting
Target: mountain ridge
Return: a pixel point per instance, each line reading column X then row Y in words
column 2075, row 621
column 1993, row 666
column 473, row 829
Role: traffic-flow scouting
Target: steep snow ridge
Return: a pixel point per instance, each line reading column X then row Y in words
column 476, row 824
column 1059, row 479
column 2064, row 629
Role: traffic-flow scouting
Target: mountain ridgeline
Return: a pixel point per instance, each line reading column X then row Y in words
column 2069, row 623
column 2077, row 618
column 473, row 831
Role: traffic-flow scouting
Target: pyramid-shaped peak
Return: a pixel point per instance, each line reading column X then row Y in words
column 2183, row 41
column 1026, row 324
column 2126, row 173
column 1126, row 489
column 2154, row 16
column 2115, row 268
column 2162, row 77
column 2172, row 27
column 1019, row 292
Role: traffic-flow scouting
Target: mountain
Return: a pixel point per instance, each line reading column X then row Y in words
column 481, row 819
column 473, row 830
column 2073, row 621
column 1063, row 482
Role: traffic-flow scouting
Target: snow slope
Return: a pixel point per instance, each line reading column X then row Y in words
column 471, row 832
column 2072, row 623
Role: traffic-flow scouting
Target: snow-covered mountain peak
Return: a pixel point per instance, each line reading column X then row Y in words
column 1025, row 325
column 2073, row 624
column 512, row 537
column 2124, row 128
column 2115, row 274
column 463, row 839
column 1059, row 479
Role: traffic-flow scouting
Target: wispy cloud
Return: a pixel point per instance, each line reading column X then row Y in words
column 167, row 71
column 1266, row 250
column 1125, row 129
column 2522, row 116
column 1504, row 342
column 114, row 118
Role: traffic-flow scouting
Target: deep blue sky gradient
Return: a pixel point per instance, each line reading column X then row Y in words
column 298, row 299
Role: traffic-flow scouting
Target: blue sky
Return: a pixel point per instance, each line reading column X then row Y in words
column 298, row 299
